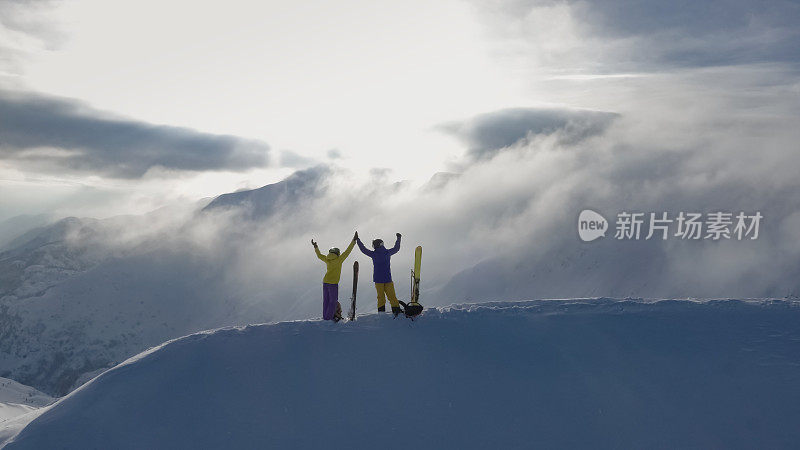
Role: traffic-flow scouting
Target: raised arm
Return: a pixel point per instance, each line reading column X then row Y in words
column 316, row 249
column 349, row 249
column 363, row 249
column 396, row 247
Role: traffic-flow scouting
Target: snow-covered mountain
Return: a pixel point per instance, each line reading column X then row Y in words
column 266, row 200
column 588, row 373
column 82, row 295
column 13, row 227
column 45, row 256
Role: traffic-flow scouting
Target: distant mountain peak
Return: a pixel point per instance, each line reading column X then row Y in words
column 264, row 201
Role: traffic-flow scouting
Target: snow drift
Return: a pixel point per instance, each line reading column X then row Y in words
column 538, row 374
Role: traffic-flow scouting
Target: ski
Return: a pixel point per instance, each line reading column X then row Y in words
column 417, row 268
column 413, row 308
column 352, row 312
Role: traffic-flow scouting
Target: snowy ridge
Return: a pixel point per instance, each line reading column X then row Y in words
column 589, row 373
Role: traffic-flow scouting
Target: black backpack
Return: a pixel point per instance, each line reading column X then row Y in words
column 412, row 309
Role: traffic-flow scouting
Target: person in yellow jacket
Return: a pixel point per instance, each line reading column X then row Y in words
column 330, row 283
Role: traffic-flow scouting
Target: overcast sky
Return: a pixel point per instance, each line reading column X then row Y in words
column 111, row 107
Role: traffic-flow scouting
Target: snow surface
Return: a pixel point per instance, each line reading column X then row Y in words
column 19, row 404
column 541, row 374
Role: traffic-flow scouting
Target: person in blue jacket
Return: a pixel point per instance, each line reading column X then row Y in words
column 382, row 272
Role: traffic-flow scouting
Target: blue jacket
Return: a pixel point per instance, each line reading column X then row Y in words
column 381, row 256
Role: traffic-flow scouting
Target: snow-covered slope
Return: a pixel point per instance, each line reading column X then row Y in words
column 19, row 404
column 82, row 295
column 109, row 313
column 13, row 392
column 541, row 374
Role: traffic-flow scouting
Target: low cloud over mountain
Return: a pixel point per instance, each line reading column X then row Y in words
column 488, row 133
column 57, row 134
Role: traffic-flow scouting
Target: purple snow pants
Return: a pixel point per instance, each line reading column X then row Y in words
column 330, row 298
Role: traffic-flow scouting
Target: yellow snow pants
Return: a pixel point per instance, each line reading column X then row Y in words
column 386, row 289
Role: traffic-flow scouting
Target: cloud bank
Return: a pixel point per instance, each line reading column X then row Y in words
column 619, row 35
column 488, row 133
column 55, row 134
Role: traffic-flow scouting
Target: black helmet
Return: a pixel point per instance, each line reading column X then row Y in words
column 377, row 243
column 334, row 250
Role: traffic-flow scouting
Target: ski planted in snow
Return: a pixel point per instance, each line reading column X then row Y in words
column 415, row 275
column 352, row 312
column 413, row 308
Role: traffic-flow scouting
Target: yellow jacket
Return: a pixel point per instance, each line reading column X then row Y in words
column 334, row 264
